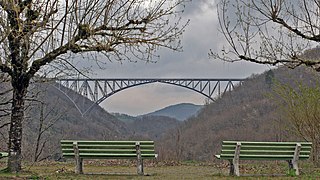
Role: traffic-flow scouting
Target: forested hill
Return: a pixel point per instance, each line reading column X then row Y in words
column 60, row 119
column 180, row 111
column 55, row 111
column 247, row 113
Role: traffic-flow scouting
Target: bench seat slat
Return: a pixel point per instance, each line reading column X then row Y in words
column 106, row 146
column 267, row 152
column 262, row 157
column 106, row 152
column 266, row 143
column 142, row 143
column 244, row 147
column 108, row 149
column 109, row 156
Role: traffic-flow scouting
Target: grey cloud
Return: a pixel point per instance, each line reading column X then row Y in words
column 200, row 36
column 196, row 7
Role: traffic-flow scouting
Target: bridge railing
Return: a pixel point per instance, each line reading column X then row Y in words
column 97, row 90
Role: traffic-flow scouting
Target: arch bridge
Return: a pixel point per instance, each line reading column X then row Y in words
column 98, row 90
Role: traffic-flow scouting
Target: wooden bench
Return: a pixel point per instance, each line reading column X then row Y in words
column 80, row 150
column 3, row 154
column 244, row 150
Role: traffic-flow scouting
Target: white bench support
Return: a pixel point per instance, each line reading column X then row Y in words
column 290, row 152
column 293, row 164
column 139, row 160
column 79, row 169
column 234, row 163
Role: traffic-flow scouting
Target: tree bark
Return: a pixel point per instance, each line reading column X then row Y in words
column 15, row 132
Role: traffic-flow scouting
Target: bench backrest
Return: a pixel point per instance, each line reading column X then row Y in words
column 265, row 150
column 108, row 149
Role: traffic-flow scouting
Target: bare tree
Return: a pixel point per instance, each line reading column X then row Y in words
column 47, row 119
column 270, row 32
column 36, row 33
column 299, row 106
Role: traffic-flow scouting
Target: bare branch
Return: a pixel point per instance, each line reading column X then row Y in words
column 4, row 125
column 269, row 32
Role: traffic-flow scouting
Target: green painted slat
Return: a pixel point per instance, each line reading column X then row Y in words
column 4, row 154
column 268, row 142
column 269, row 149
column 265, row 143
column 121, row 150
column 266, row 146
column 107, row 142
column 107, row 146
column 264, row 150
column 285, row 148
column 224, row 151
column 87, row 155
column 108, row 149
column 262, row 157
column 110, row 156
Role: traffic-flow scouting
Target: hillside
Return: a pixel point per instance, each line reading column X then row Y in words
column 148, row 126
column 63, row 120
column 247, row 113
column 124, row 117
column 181, row 111
column 53, row 110
column 152, row 127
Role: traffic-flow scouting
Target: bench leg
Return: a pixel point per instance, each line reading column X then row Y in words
column 234, row 168
column 234, row 163
column 77, row 158
column 231, row 172
column 79, row 169
column 140, row 167
column 293, row 165
column 139, row 160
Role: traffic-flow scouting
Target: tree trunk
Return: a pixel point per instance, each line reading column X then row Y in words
column 15, row 132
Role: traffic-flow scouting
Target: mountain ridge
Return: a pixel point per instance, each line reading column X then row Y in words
column 181, row 111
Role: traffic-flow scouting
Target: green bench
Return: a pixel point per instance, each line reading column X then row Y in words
column 3, row 154
column 244, row 150
column 80, row 150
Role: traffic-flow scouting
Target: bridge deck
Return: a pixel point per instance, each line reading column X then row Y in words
column 97, row 90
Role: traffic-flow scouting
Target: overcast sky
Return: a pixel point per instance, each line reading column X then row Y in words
column 201, row 35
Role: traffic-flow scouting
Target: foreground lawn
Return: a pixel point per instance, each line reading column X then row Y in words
column 185, row 170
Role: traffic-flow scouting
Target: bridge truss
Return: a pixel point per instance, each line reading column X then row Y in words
column 97, row 90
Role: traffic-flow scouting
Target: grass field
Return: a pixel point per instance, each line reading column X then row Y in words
column 185, row 170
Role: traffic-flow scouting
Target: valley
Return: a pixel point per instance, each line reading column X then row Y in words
column 182, row 132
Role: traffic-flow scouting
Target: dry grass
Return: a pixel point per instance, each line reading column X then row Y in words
column 187, row 170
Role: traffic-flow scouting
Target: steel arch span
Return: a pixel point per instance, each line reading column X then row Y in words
column 98, row 90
